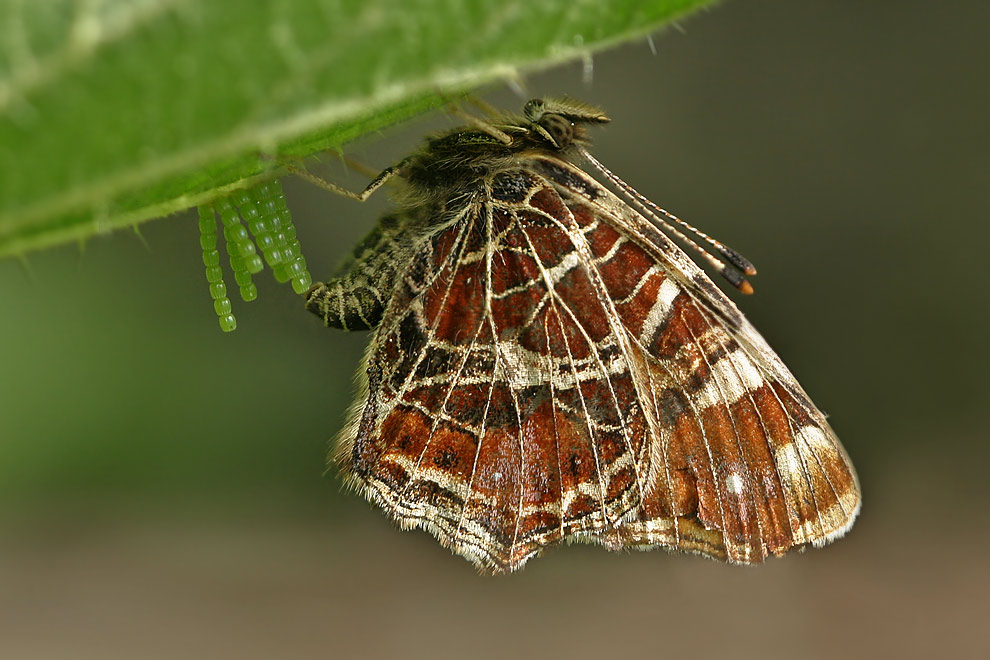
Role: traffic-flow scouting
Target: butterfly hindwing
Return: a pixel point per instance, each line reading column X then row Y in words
column 502, row 413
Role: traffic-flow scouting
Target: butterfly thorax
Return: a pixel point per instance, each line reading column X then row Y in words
column 459, row 162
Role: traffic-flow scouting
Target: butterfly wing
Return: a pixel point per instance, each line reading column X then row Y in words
column 547, row 369
column 502, row 415
column 748, row 463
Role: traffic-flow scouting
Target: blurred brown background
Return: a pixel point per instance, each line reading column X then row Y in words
column 161, row 486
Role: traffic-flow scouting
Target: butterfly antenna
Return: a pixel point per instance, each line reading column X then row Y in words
column 733, row 271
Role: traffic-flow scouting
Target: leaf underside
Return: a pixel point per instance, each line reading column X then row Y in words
column 119, row 111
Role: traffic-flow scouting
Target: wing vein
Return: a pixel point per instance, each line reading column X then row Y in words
column 461, row 243
column 618, row 330
column 728, row 410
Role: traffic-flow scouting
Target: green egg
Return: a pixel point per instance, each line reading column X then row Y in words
column 235, row 233
column 302, row 283
column 223, row 204
column 228, row 323
column 211, row 260
column 249, row 292
column 249, row 212
column 281, row 273
column 207, row 220
column 292, row 250
column 295, row 269
column 222, row 306
column 242, row 277
column 267, row 208
column 214, row 274
column 259, row 226
column 265, row 242
column 254, row 264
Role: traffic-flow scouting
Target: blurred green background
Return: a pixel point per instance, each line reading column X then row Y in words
column 161, row 484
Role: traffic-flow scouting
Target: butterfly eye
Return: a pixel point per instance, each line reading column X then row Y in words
column 559, row 129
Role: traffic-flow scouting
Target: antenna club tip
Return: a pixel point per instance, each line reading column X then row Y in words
column 750, row 270
column 745, row 288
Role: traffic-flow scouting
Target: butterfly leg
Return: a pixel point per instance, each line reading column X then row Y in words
column 375, row 184
column 482, row 125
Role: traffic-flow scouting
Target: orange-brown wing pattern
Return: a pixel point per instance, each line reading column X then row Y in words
column 547, row 367
column 749, row 465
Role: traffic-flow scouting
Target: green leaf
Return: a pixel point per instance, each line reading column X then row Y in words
column 118, row 111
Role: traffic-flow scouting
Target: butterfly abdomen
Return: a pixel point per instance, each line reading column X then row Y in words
column 355, row 299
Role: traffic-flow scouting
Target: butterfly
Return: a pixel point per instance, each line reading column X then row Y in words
column 548, row 365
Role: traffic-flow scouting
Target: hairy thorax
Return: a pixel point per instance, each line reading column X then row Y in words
column 457, row 164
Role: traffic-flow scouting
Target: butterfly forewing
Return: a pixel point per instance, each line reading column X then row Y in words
column 762, row 462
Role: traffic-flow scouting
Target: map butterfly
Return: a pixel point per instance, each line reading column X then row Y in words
column 548, row 366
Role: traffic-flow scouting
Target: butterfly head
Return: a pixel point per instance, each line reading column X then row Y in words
column 560, row 122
